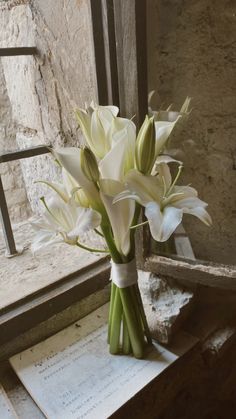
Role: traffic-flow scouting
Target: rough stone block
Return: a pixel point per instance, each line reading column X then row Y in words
column 166, row 305
column 8, row 181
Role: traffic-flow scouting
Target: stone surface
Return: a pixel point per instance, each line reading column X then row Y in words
column 28, row 272
column 43, row 90
column 11, row 174
column 191, row 51
column 166, row 305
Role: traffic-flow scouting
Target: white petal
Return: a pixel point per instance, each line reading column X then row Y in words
column 164, row 158
column 155, row 218
column 123, row 129
column 112, row 165
column 41, row 224
column 188, row 191
column 163, row 130
column 120, row 214
column 172, row 217
column 59, row 214
column 190, row 202
column 69, row 182
column 111, row 187
column 69, row 157
column 162, row 225
column 87, row 219
column 200, row 213
column 106, row 116
column 85, row 122
column 99, row 138
column 194, row 206
column 180, row 193
column 147, row 188
column 43, row 239
column 58, row 188
column 113, row 109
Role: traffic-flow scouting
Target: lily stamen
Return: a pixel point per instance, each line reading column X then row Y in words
column 175, row 180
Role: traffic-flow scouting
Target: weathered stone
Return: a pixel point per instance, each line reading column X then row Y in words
column 45, row 89
column 11, row 172
column 191, row 52
column 27, row 273
column 166, row 305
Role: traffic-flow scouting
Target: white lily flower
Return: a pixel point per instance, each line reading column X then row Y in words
column 69, row 157
column 120, row 158
column 165, row 122
column 112, row 170
column 95, row 123
column 164, row 202
column 63, row 222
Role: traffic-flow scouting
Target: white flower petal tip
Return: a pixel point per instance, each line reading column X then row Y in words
column 162, row 223
column 165, row 159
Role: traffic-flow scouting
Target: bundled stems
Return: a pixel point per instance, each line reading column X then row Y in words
column 127, row 330
column 127, row 325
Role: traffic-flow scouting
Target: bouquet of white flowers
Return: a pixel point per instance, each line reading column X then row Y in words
column 104, row 186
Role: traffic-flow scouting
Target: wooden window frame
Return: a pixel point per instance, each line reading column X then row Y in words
column 186, row 271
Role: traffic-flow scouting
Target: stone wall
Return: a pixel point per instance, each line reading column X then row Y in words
column 45, row 89
column 11, row 173
column 191, row 50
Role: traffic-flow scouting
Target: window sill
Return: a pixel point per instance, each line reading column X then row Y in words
column 34, row 309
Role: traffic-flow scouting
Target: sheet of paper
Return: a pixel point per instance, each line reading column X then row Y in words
column 72, row 375
column 6, row 408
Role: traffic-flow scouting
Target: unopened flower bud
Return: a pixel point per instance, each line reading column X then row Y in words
column 145, row 146
column 89, row 165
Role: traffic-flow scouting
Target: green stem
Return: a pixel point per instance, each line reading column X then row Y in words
column 116, row 257
column 117, row 313
column 137, row 313
column 91, row 249
column 143, row 315
column 111, row 308
column 126, row 345
column 132, row 325
column 98, row 232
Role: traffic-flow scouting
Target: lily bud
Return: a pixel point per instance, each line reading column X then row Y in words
column 89, row 165
column 145, row 146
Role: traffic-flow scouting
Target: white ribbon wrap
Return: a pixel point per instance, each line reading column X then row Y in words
column 124, row 274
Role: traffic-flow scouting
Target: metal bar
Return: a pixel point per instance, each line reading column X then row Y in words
column 99, row 51
column 24, row 154
column 9, row 52
column 4, row 215
column 6, row 223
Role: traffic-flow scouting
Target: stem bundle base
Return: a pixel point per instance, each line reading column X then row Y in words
column 128, row 330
